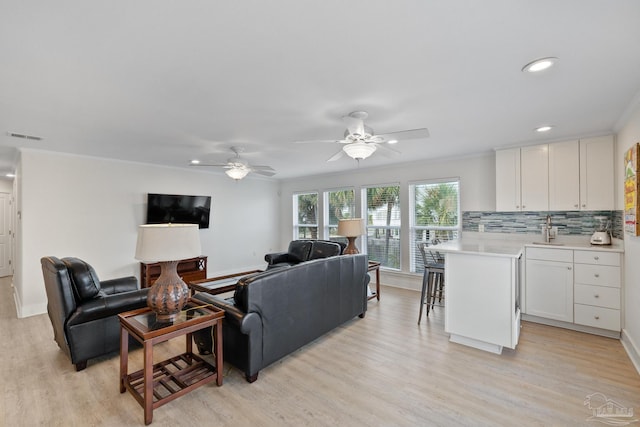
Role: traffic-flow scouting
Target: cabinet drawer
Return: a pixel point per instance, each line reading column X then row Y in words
column 600, row 296
column 597, row 257
column 600, row 275
column 546, row 254
column 598, row 317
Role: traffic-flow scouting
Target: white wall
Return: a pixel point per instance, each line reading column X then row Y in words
column 477, row 191
column 90, row 208
column 628, row 135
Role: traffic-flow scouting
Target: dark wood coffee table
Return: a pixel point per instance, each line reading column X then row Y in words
column 160, row 383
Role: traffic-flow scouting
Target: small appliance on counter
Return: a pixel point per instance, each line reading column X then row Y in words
column 602, row 235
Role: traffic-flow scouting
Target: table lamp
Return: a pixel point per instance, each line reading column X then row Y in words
column 167, row 244
column 351, row 229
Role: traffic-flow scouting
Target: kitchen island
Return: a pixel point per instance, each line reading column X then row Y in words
column 487, row 295
column 482, row 292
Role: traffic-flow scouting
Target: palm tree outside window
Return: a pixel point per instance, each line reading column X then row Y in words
column 435, row 214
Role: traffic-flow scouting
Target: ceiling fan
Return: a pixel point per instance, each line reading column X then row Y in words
column 236, row 167
column 360, row 141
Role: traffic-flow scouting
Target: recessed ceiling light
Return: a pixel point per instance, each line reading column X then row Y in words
column 392, row 141
column 539, row 65
column 543, row 128
column 195, row 162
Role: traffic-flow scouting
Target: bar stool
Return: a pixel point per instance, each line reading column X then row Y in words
column 432, row 278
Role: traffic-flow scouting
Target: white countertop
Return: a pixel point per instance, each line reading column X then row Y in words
column 512, row 245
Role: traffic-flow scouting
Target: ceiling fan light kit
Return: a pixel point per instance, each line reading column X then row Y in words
column 237, row 173
column 237, row 168
column 360, row 141
column 359, row 150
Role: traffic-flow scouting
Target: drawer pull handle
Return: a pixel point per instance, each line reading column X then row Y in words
column 596, row 296
column 596, row 317
column 575, row 206
column 568, row 268
column 597, row 275
column 596, row 258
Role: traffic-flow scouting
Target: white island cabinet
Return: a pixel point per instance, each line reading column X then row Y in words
column 482, row 282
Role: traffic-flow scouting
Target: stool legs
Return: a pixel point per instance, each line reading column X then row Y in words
column 432, row 283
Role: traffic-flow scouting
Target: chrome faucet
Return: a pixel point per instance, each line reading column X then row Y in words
column 547, row 230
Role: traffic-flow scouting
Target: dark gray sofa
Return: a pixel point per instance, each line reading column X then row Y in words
column 303, row 251
column 278, row 311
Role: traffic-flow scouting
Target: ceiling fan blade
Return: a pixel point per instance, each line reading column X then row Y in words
column 336, row 156
column 261, row 168
column 209, row 164
column 406, row 134
column 264, row 172
column 388, row 149
column 318, row 141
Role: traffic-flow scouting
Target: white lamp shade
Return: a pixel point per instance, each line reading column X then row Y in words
column 351, row 227
column 359, row 150
column 167, row 242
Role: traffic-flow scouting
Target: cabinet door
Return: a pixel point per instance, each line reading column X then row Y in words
column 549, row 289
column 596, row 173
column 534, row 178
column 564, row 176
column 508, row 180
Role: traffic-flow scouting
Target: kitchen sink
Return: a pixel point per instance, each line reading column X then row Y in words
column 548, row 243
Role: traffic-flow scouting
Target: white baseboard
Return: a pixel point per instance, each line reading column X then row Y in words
column 632, row 349
column 399, row 279
column 27, row 311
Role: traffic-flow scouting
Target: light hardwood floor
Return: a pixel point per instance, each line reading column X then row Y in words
column 383, row 370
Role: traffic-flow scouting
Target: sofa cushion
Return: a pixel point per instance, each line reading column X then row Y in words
column 86, row 284
column 324, row 249
column 299, row 250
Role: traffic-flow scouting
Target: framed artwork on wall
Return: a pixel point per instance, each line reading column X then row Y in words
column 631, row 208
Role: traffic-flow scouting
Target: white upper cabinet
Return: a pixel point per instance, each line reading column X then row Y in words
column 534, row 178
column 522, row 179
column 596, row 173
column 508, row 180
column 564, row 176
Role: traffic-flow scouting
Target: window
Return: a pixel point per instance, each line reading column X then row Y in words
column 305, row 216
column 338, row 204
column 435, row 213
column 383, row 225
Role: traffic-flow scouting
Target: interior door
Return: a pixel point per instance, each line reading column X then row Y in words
column 5, row 238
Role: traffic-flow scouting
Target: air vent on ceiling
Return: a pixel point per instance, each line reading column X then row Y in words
column 23, row 136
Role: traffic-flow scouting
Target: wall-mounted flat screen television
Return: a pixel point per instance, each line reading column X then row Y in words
column 178, row 209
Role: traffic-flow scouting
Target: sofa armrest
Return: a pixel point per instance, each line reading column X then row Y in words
column 276, row 257
column 247, row 323
column 116, row 286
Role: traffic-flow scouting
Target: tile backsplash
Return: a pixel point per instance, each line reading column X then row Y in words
column 568, row 222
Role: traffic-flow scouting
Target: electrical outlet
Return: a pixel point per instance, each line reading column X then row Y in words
column 481, row 228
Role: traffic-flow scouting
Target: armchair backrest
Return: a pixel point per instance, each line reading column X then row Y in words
column 84, row 279
column 61, row 300
column 299, row 250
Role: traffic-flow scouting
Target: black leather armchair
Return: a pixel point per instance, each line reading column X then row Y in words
column 83, row 310
column 304, row 250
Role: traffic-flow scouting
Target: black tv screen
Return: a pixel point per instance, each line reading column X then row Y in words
column 178, row 209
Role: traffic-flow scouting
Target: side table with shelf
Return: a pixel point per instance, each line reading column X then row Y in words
column 162, row 382
column 375, row 266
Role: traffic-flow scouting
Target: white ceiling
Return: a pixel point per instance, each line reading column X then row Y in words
column 163, row 82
